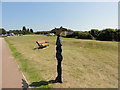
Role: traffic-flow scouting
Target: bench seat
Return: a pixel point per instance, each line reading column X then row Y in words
column 42, row 43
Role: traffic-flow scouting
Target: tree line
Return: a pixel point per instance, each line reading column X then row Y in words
column 42, row 32
column 95, row 34
column 23, row 31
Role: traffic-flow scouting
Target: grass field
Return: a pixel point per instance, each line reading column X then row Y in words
column 86, row 63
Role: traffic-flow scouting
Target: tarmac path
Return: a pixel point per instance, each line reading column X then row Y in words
column 11, row 75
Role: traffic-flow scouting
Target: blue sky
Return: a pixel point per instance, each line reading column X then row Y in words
column 47, row 15
column 0, row 14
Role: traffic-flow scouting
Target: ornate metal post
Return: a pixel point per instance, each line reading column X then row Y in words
column 59, row 59
column 59, row 53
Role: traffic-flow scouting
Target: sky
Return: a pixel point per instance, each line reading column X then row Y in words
column 80, row 16
column 0, row 14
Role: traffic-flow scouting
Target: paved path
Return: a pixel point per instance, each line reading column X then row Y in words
column 0, row 65
column 11, row 76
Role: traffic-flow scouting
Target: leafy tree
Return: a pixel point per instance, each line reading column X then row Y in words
column 2, row 31
column 28, row 31
column 84, row 35
column 42, row 32
column 31, row 30
column 94, row 33
column 106, row 35
column 24, row 28
column 79, row 35
column 117, row 35
column 69, row 30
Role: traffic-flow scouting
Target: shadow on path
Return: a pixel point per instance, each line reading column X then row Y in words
column 25, row 85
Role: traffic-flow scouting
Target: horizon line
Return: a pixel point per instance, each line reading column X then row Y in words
column 63, row 27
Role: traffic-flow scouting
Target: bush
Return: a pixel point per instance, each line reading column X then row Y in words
column 42, row 32
column 80, row 35
column 103, row 35
column 117, row 35
column 94, row 33
column 84, row 35
column 2, row 31
column 106, row 35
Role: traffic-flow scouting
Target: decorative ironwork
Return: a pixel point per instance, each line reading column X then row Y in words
column 59, row 53
column 59, row 59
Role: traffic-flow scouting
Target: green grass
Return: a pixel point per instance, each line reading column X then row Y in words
column 86, row 63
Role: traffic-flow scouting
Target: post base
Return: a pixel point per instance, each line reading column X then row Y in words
column 58, row 80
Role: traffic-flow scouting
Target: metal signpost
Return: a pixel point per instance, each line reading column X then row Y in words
column 59, row 53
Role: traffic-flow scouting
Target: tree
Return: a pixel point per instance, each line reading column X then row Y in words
column 106, row 35
column 117, row 35
column 94, row 33
column 24, row 28
column 28, row 31
column 31, row 30
column 69, row 30
column 24, row 31
column 2, row 31
column 84, row 35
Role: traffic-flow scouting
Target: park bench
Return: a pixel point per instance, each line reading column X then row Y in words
column 42, row 43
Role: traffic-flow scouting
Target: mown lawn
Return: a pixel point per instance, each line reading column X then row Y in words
column 86, row 63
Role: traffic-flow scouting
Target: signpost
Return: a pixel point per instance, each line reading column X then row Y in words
column 59, row 53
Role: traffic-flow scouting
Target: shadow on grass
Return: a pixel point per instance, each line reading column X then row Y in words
column 25, row 85
column 39, row 48
column 41, row 83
